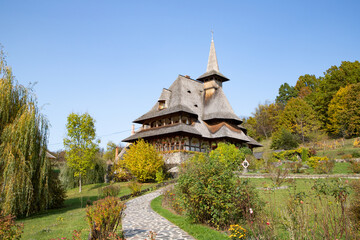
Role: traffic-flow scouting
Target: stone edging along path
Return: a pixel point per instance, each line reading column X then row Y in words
column 310, row 176
column 140, row 219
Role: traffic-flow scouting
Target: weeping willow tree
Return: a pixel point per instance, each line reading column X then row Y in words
column 24, row 168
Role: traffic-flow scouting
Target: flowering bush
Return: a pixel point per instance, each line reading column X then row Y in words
column 171, row 201
column 104, row 217
column 237, row 232
column 8, row 228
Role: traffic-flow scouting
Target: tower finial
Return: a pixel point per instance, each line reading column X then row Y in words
column 212, row 62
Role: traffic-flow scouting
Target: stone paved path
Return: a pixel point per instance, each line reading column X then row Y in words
column 140, row 219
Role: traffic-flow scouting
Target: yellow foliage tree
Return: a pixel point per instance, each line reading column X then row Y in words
column 143, row 161
column 299, row 118
column 344, row 111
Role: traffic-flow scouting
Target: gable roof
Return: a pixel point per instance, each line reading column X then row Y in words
column 184, row 95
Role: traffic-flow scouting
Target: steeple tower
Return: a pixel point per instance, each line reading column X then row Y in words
column 212, row 62
column 212, row 70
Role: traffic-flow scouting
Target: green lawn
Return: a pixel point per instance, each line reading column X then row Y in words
column 198, row 231
column 58, row 223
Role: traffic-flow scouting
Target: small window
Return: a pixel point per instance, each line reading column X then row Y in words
column 161, row 104
column 189, row 91
column 196, row 105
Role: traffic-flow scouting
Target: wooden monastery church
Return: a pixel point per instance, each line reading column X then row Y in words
column 193, row 115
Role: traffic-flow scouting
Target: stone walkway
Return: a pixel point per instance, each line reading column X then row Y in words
column 140, row 219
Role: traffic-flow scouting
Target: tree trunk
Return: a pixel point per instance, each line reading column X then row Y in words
column 80, row 183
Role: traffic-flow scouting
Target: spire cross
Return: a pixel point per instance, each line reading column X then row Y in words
column 212, row 35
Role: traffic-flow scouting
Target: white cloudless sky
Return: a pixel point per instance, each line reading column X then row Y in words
column 112, row 58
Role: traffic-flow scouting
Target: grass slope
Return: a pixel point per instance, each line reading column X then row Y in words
column 198, row 231
column 58, row 223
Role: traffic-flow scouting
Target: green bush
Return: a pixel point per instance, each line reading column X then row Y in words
column 284, row 139
column 355, row 154
column 212, row 194
column 229, row 155
column 109, row 191
column 9, row 229
column 160, row 176
column 135, row 188
column 104, row 217
column 57, row 191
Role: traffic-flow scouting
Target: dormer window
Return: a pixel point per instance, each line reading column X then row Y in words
column 162, row 104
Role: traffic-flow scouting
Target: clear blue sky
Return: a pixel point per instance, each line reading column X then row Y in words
column 112, row 58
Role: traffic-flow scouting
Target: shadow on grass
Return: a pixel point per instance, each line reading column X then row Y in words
column 70, row 204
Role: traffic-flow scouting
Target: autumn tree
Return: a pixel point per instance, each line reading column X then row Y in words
column 306, row 86
column 299, row 118
column 24, row 169
column 266, row 118
column 142, row 160
column 344, row 111
column 286, row 92
column 335, row 78
column 80, row 144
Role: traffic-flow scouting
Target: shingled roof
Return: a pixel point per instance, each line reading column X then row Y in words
column 215, row 116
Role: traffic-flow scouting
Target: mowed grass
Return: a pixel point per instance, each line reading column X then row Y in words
column 60, row 223
column 198, row 231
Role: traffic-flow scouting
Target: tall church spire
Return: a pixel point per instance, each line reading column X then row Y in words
column 212, row 62
column 212, row 70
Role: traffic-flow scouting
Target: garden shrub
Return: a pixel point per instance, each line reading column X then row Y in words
column 109, row 191
column 160, row 176
column 355, row 166
column 104, row 217
column 284, row 139
column 324, row 167
column 346, row 156
column 357, row 142
column 171, row 200
column 143, row 161
column 314, row 161
column 135, row 188
column 354, row 209
column 211, row 193
column 293, row 155
column 295, row 167
column 356, row 154
column 9, row 229
column 230, row 155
